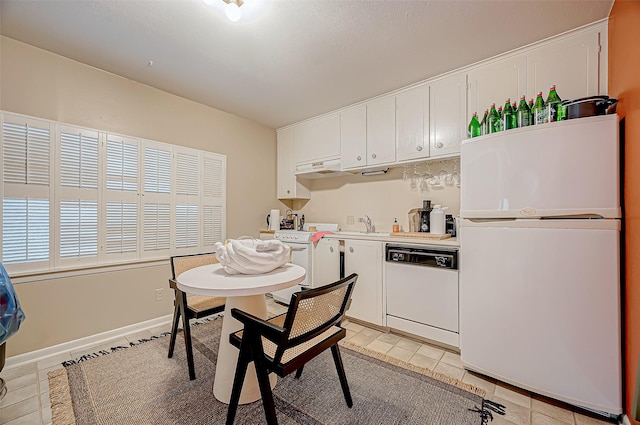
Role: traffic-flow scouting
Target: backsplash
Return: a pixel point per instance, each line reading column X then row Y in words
column 381, row 197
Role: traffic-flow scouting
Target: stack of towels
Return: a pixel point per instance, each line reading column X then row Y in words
column 252, row 256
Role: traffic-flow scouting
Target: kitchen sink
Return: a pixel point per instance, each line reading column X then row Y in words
column 356, row 233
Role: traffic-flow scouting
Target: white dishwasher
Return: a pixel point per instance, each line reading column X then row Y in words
column 422, row 291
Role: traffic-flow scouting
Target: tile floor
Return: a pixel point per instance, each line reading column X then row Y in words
column 27, row 399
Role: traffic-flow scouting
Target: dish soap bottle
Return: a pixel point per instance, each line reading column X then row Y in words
column 396, row 226
column 437, row 220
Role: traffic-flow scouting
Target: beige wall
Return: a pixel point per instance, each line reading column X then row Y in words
column 37, row 83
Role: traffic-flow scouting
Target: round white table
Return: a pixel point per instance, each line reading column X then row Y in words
column 245, row 292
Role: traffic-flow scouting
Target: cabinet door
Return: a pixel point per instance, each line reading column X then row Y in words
column 381, row 131
column 365, row 259
column 288, row 186
column 447, row 112
column 353, row 137
column 412, row 123
column 318, row 138
column 571, row 63
column 326, row 262
column 496, row 82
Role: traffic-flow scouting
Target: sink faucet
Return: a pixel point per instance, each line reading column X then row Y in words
column 367, row 222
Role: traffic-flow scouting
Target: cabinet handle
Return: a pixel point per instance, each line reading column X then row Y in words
column 350, row 249
column 359, row 158
column 439, row 145
column 288, row 191
column 418, row 148
column 373, row 155
column 330, row 249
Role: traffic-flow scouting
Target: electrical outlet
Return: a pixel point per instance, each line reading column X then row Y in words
column 350, row 219
column 159, row 294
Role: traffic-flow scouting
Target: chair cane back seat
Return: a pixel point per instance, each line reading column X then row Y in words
column 190, row 306
column 285, row 343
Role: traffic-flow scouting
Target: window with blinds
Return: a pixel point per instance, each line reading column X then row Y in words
column 106, row 199
column 26, row 193
column 77, row 195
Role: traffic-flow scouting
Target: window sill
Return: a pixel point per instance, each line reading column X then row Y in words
column 27, row 277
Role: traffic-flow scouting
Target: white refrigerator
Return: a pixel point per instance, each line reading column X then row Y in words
column 540, row 260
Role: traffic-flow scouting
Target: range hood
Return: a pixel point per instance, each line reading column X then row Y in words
column 320, row 169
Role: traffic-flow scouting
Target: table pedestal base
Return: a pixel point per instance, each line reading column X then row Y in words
column 228, row 354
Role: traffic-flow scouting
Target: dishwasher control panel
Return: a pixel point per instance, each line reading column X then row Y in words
column 422, row 256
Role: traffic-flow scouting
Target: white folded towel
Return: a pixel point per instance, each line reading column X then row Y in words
column 251, row 256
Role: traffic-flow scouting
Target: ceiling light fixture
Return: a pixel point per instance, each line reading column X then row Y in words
column 233, row 11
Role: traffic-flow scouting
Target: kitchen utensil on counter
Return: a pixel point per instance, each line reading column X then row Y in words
column 589, row 106
column 273, row 220
column 414, row 219
column 437, row 220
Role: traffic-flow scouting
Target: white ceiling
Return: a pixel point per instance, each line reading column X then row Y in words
column 287, row 60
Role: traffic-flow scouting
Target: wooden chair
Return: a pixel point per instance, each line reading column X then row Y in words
column 190, row 307
column 285, row 343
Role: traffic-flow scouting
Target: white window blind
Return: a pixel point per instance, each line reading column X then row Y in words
column 212, row 199
column 25, row 230
column 157, row 226
column 78, row 158
column 122, row 164
column 122, row 227
column 78, row 228
column 187, row 195
column 121, row 199
column 26, row 192
column 105, row 199
column 157, row 199
column 77, row 196
column 157, row 169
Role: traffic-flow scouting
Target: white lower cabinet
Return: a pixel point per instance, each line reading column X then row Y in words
column 326, row 262
column 365, row 258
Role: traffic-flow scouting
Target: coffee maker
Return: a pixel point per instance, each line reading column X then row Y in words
column 424, row 216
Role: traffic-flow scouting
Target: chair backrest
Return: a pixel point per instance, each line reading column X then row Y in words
column 182, row 263
column 313, row 311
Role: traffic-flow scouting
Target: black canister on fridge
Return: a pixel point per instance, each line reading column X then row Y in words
column 424, row 216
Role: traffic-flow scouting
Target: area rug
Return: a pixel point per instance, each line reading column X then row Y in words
column 140, row 385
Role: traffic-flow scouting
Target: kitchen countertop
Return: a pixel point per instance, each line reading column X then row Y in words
column 450, row 242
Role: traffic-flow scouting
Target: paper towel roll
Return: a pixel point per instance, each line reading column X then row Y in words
column 274, row 220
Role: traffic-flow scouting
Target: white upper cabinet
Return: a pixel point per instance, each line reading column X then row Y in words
column 412, row 123
column 288, row 186
column 571, row 63
column 318, row 139
column 368, row 134
column 447, row 114
column 496, row 82
column 381, row 131
column 353, row 137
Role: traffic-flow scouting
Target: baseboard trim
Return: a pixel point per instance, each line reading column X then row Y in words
column 78, row 344
column 625, row 420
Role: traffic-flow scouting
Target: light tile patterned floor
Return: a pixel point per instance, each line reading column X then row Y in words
column 27, row 399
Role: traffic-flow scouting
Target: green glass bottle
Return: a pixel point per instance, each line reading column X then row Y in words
column 494, row 119
column 523, row 113
column 509, row 119
column 532, row 118
column 538, row 110
column 551, row 105
column 484, row 124
column 474, row 127
column 500, row 115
